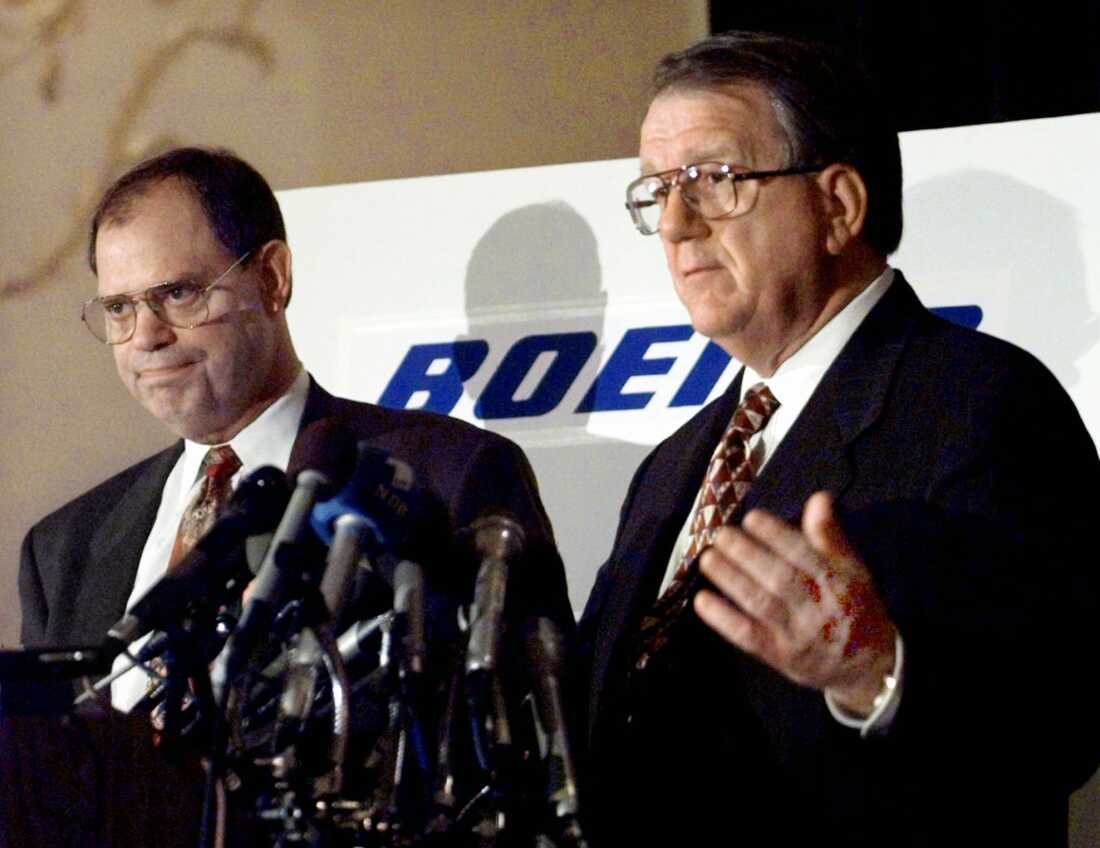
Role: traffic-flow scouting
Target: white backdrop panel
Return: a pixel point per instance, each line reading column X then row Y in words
column 520, row 289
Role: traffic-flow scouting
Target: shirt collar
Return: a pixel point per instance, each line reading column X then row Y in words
column 818, row 353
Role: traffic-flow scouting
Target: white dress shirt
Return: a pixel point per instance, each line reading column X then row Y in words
column 793, row 382
column 266, row 441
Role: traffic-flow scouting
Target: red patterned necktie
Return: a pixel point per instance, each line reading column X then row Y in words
column 210, row 497
column 218, row 467
column 728, row 477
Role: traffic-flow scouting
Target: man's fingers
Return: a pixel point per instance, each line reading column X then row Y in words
column 786, row 541
column 797, row 598
column 752, row 575
column 732, row 624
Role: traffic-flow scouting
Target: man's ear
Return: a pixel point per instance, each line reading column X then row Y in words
column 845, row 196
column 275, row 282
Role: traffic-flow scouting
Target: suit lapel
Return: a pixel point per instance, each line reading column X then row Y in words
column 815, row 454
column 117, row 544
column 320, row 404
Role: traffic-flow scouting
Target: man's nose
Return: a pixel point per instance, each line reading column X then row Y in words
column 678, row 220
column 150, row 332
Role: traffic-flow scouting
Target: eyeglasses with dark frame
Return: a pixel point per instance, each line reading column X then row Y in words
column 709, row 189
column 179, row 303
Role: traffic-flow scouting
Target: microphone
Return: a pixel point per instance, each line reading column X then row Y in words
column 353, row 645
column 154, row 646
column 392, row 508
column 325, row 448
column 346, row 522
column 408, row 607
column 408, row 707
column 498, row 541
column 385, row 514
column 213, row 570
column 544, row 652
column 353, row 642
column 349, row 537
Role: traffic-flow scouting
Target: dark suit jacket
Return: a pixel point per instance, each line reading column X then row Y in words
column 965, row 478
column 79, row 563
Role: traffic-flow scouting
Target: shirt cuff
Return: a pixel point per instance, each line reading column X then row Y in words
column 886, row 703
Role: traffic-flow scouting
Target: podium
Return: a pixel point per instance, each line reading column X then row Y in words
column 95, row 779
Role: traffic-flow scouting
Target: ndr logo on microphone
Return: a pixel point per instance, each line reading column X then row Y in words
column 537, row 371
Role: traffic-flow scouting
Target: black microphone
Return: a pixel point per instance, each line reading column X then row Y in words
column 325, row 448
column 498, row 541
column 214, row 570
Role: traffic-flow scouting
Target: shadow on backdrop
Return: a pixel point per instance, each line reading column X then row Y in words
column 1021, row 246
column 537, row 270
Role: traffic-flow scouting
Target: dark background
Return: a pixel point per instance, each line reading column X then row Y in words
column 946, row 64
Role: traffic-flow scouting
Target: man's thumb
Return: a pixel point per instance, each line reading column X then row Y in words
column 821, row 528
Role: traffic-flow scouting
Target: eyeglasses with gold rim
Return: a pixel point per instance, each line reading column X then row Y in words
column 183, row 304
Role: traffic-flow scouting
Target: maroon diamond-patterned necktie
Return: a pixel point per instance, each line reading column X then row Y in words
column 210, row 497
column 218, row 467
column 728, row 477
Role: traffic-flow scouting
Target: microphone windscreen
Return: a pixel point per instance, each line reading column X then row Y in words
column 264, row 492
column 406, row 517
column 497, row 535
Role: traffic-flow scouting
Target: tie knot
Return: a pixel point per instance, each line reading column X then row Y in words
column 756, row 408
column 220, row 463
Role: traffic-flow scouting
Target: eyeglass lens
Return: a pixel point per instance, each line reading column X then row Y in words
column 706, row 188
column 180, row 304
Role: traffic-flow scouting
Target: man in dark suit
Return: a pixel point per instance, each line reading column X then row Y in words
column 864, row 618
column 194, row 278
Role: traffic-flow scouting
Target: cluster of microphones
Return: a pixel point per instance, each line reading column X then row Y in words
column 370, row 686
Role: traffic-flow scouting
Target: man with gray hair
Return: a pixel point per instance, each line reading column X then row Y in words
column 850, row 600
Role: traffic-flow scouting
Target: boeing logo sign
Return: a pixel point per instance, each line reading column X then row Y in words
column 538, row 370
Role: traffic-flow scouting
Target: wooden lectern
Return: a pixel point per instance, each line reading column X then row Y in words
column 95, row 779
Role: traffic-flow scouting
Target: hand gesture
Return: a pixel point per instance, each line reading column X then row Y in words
column 802, row 601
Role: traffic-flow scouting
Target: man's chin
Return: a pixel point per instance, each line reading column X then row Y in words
column 188, row 421
column 716, row 325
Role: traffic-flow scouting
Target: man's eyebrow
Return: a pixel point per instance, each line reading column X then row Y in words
column 175, row 281
column 726, row 154
column 172, row 281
